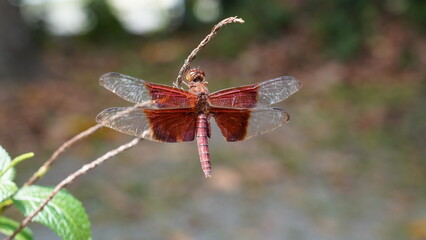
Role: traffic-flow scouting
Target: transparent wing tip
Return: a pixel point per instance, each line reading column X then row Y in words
column 110, row 114
column 108, row 76
column 103, row 116
column 293, row 82
column 285, row 117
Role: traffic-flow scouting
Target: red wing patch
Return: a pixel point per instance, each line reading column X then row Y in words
column 238, row 97
column 170, row 97
column 232, row 122
column 172, row 125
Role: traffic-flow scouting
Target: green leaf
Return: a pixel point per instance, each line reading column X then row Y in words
column 5, row 161
column 7, row 188
column 64, row 214
column 8, row 226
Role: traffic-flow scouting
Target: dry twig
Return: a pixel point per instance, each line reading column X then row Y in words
column 83, row 170
column 202, row 44
column 45, row 167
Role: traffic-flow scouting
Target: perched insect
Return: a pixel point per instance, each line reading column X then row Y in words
column 170, row 114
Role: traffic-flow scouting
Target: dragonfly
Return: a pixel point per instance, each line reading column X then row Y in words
column 170, row 114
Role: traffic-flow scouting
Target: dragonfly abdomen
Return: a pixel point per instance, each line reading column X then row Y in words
column 202, row 143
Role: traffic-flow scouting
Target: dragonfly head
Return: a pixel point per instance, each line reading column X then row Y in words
column 195, row 76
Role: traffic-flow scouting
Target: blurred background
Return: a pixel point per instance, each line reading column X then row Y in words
column 349, row 165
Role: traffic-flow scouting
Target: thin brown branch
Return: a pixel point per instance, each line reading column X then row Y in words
column 83, row 170
column 202, row 44
column 45, row 167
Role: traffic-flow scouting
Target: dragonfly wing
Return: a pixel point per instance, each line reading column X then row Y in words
column 256, row 95
column 241, row 124
column 163, row 125
column 139, row 91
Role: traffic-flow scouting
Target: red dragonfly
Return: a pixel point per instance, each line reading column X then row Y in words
column 170, row 114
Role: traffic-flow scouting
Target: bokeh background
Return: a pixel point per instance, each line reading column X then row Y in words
column 350, row 165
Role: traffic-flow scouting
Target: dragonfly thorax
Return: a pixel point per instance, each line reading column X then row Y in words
column 202, row 104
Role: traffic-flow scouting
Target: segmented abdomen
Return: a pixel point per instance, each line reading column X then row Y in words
column 203, row 147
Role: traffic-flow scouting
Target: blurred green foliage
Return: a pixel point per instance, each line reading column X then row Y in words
column 106, row 26
column 416, row 13
column 342, row 27
column 345, row 26
column 265, row 18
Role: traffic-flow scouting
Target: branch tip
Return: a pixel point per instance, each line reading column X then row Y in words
column 202, row 44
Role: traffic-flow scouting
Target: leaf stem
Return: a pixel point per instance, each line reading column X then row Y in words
column 16, row 161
